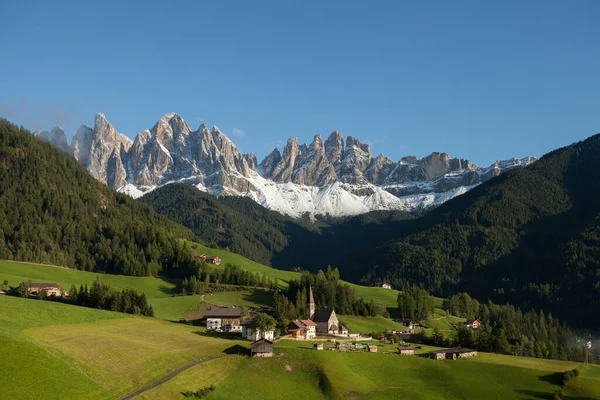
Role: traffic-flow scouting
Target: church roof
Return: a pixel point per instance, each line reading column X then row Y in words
column 322, row 315
column 311, row 299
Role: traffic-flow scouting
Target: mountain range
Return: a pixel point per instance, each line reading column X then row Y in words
column 335, row 176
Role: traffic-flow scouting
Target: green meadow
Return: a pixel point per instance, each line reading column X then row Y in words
column 158, row 291
column 95, row 354
column 88, row 353
column 243, row 298
column 368, row 325
column 331, row 374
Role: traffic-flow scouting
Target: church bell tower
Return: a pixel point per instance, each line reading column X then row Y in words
column 310, row 304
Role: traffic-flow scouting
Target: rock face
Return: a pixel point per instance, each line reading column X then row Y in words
column 56, row 136
column 102, row 150
column 320, row 177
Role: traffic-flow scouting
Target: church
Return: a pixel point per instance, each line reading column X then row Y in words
column 326, row 320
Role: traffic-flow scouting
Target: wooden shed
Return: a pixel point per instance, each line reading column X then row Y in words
column 453, row 353
column 261, row 348
column 372, row 348
column 406, row 350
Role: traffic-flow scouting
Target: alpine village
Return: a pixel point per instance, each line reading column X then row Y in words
column 147, row 255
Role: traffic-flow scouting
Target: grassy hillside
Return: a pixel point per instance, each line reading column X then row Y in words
column 90, row 353
column 356, row 375
column 99, row 354
column 368, row 324
column 387, row 297
column 158, row 291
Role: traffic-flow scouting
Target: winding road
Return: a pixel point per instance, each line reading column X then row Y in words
column 170, row 376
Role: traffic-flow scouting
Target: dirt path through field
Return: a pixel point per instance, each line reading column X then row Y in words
column 170, row 376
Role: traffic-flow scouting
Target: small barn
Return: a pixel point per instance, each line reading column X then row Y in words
column 372, row 348
column 213, row 260
column 318, row 346
column 261, row 348
column 474, row 324
column 453, row 353
column 406, row 350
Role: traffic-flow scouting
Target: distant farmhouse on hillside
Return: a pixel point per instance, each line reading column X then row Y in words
column 473, row 324
column 386, row 286
column 211, row 260
column 50, row 288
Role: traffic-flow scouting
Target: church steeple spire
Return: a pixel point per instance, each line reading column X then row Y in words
column 310, row 304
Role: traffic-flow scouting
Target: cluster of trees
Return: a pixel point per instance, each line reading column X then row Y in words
column 53, row 211
column 530, row 237
column 205, row 277
column 263, row 322
column 329, row 294
column 415, row 303
column 99, row 295
column 200, row 393
column 507, row 330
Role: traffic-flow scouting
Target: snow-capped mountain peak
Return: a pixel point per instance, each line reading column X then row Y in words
column 321, row 177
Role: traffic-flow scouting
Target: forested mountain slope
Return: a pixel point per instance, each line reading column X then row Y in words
column 268, row 237
column 239, row 224
column 53, row 211
column 530, row 237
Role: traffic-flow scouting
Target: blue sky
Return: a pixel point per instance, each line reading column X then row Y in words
column 480, row 81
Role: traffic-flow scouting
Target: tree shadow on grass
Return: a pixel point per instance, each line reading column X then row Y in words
column 220, row 335
column 555, row 378
column 237, row 349
column 169, row 290
column 260, row 297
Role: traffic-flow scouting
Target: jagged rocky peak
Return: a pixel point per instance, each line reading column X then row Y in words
column 409, row 159
column 379, row 170
column 438, row 164
column 352, row 142
column 285, row 167
column 56, row 136
column 171, row 127
column 334, row 147
column 267, row 166
column 337, row 176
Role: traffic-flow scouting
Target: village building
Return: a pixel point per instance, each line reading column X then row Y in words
column 252, row 334
column 406, row 350
column 261, row 348
column 50, row 288
column 213, row 260
column 302, row 329
column 386, row 286
column 372, row 348
column 318, row 346
column 454, row 353
column 473, row 324
column 326, row 320
column 311, row 329
column 225, row 318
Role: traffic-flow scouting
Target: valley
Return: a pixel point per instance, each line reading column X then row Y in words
column 109, row 355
